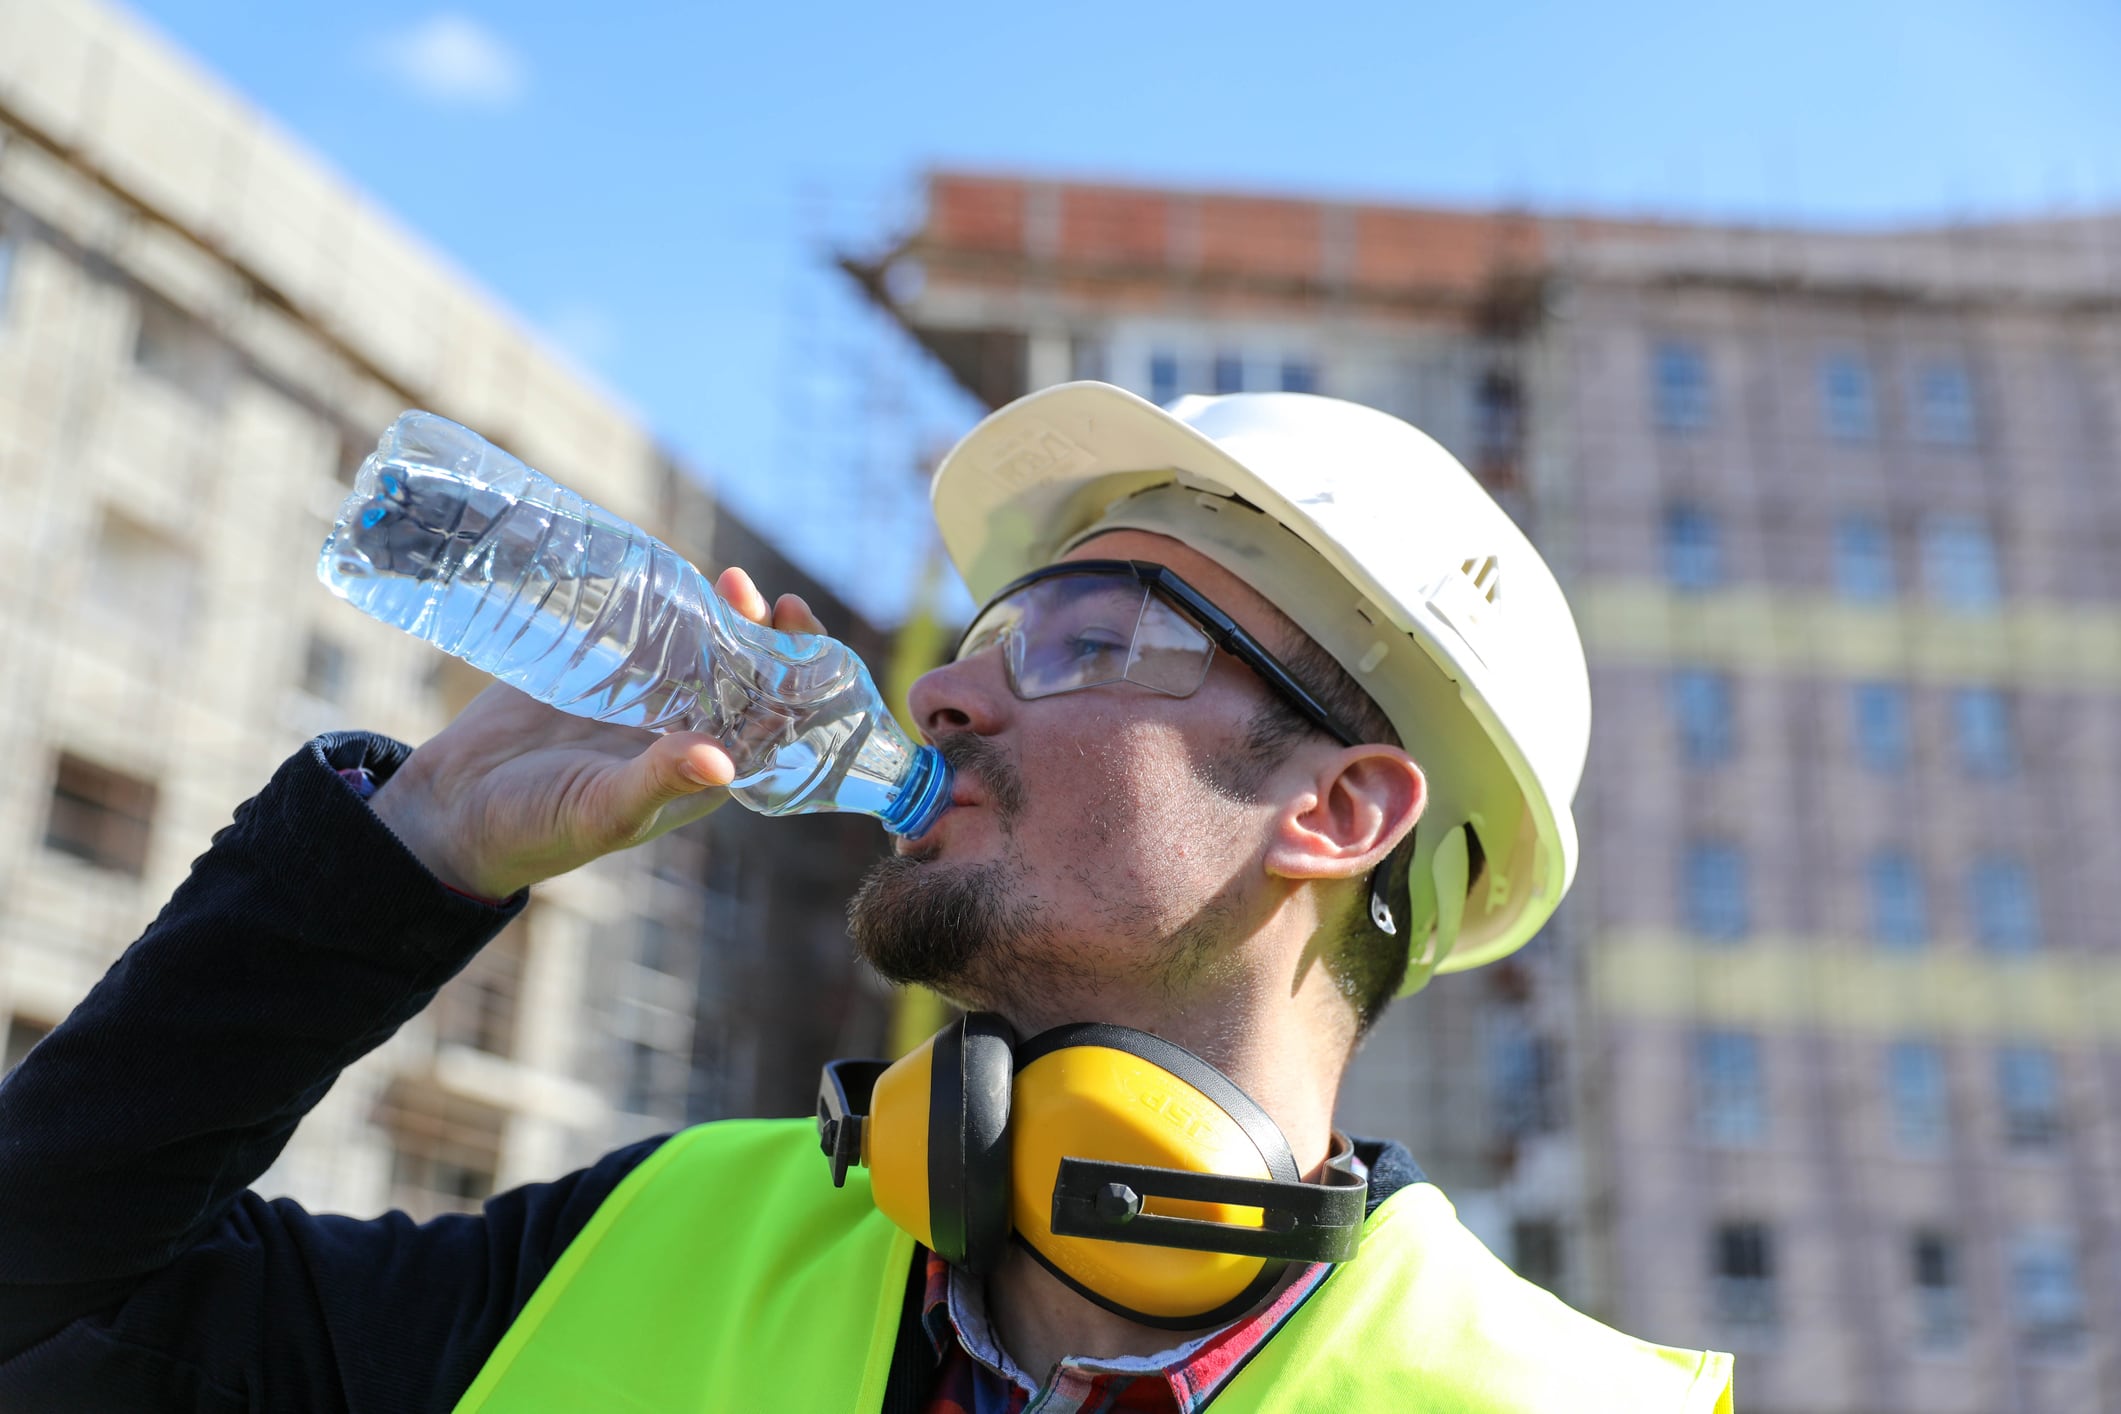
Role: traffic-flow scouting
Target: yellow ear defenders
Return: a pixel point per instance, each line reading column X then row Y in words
column 1127, row 1166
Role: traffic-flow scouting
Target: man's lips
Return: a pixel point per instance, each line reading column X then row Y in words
column 962, row 793
column 965, row 786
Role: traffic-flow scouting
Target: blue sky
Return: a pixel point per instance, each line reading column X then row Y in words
column 653, row 184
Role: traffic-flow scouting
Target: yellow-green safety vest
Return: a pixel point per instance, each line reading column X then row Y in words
column 726, row 1273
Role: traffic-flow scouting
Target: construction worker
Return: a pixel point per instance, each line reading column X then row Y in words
column 1269, row 714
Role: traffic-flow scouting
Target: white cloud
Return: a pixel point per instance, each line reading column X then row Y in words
column 452, row 58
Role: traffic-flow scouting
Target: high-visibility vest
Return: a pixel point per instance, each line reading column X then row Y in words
column 726, row 1273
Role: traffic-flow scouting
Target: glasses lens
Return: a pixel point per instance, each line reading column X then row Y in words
column 990, row 627
column 1075, row 632
column 1171, row 653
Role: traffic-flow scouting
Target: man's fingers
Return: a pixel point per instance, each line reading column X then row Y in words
column 792, row 615
column 736, row 587
column 789, row 613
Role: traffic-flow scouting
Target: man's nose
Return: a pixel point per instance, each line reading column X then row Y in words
column 969, row 695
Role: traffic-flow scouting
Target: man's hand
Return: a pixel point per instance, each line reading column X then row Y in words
column 513, row 791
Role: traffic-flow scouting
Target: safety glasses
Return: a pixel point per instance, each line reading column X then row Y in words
column 1086, row 623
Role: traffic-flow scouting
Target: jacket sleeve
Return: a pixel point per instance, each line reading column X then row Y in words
column 136, row 1272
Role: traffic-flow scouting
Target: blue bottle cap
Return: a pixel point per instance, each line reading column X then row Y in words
column 923, row 795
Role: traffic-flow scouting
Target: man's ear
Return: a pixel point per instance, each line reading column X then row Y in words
column 1361, row 802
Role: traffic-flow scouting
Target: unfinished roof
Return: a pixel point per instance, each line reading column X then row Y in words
column 1130, row 243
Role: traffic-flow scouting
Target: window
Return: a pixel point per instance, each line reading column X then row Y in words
column 1899, row 917
column 324, row 670
column 2030, row 1089
column 1086, row 359
column 1730, row 1104
column 1882, row 731
column 1920, row 1096
column 1863, row 560
column 1680, row 373
column 1940, row 1294
column 651, row 1049
column 1959, row 564
column 1536, row 1251
column 1742, row 1264
column 1701, row 703
column 1526, row 1072
column 1981, row 722
column 1299, row 375
column 1229, row 372
column 1944, row 404
column 102, row 816
column 1163, row 377
column 1716, row 904
column 1848, row 406
column 1693, row 548
column 22, row 1033
column 1498, row 419
column 2001, row 894
column 172, row 346
column 672, row 951
column 445, row 1149
column 639, row 1085
column 477, row 1007
column 142, row 579
column 2045, row 1297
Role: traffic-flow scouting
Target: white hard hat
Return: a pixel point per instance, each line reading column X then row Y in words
column 1382, row 548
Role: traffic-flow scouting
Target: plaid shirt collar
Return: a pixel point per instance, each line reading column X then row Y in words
column 978, row 1377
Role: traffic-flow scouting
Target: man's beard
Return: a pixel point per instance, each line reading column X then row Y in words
column 946, row 926
column 916, row 920
column 976, row 931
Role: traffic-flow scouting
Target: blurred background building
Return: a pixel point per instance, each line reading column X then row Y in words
column 202, row 332
column 1819, row 1060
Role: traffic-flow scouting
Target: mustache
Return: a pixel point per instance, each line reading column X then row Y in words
column 973, row 755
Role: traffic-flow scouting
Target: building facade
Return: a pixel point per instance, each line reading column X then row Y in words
column 1819, row 1060
column 202, row 331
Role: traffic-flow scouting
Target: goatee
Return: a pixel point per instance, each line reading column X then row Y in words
column 944, row 926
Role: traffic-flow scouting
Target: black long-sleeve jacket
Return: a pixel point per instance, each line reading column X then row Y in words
column 138, row 1274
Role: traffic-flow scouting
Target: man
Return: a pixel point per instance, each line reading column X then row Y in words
column 1273, row 714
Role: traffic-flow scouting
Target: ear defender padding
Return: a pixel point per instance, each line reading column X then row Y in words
column 968, row 1141
column 932, row 1128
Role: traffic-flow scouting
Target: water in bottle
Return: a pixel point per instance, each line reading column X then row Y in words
column 448, row 537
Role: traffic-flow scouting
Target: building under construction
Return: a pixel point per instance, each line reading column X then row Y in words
column 1819, row 1061
column 202, row 332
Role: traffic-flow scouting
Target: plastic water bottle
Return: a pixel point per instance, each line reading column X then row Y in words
column 450, row 538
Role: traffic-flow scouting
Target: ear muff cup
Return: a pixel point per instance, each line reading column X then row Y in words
column 1112, row 1092
column 969, row 1160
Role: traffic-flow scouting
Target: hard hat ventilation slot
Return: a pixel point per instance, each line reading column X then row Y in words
column 1486, row 576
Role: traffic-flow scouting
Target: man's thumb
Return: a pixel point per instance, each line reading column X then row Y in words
column 677, row 765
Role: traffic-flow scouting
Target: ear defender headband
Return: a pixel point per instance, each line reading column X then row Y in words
column 1127, row 1166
